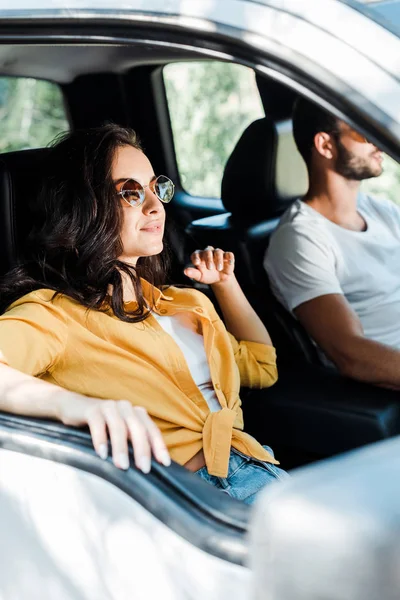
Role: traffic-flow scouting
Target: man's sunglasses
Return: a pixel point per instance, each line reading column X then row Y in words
column 355, row 135
column 134, row 192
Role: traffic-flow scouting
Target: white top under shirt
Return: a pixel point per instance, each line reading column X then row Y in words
column 309, row 256
column 183, row 329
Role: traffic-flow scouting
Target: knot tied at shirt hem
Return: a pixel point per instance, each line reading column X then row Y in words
column 219, row 436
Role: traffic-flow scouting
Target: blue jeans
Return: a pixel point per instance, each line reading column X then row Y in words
column 247, row 476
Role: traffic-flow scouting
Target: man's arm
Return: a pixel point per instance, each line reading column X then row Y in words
column 337, row 330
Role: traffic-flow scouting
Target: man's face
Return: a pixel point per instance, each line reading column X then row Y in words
column 356, row 159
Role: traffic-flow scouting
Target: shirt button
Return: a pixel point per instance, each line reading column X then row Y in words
column 163, row 311
column 217, row 386
column 198, row 309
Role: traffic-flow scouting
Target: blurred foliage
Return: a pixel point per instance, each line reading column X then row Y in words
column 32, row 113
column 386, row 185
column 211, row 103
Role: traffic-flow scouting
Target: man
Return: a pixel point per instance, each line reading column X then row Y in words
column 334, row 261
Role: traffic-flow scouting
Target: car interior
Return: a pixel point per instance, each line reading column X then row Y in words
column 312, row 412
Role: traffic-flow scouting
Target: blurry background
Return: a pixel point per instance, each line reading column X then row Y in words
column 210, row 105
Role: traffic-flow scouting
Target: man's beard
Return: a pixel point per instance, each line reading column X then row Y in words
column 352, row 167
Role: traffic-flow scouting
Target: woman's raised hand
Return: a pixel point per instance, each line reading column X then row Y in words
column 122, row 423
column 211, row 266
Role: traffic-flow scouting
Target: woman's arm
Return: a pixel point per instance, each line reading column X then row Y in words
column 26, row 395
column 240, row 318
column 216, row 268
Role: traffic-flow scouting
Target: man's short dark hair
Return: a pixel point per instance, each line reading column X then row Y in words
column 308, row 120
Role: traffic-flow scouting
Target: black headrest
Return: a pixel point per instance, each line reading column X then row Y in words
column 264, row 173
column 277, row 99
column 21, row 176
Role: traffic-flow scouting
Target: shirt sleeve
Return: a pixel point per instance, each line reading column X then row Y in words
column 301, row 266
column 256, row 363
column 33, row 335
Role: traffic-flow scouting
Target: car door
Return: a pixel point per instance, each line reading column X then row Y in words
column 75, row 527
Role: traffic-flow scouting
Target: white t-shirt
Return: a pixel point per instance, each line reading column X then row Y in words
column 183, row 329
column 309, row 256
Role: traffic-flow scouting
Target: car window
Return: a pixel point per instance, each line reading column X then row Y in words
column 32, row 112
column 210, row 104
column 386, row 185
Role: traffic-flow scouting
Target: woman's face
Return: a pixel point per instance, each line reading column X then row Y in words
column 143, row 225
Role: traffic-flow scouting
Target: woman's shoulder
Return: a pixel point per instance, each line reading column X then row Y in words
column 42, row 297
column 36, row 296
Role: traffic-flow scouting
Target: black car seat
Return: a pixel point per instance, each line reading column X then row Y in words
column 263, row 175
column 244, row 195
column 21, row 174
column 257, row 184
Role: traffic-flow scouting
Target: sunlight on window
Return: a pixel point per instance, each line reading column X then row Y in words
column 210, row 105
column 32, row 113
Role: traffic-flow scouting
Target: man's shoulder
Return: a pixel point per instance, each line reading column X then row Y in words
column 298, row 221
column 297, row 217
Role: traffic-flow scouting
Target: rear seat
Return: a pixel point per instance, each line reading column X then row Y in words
column 21, row 175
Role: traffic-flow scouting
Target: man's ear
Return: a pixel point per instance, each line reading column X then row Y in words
column 323, row 144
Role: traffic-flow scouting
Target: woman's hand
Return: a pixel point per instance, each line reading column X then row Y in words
column 211, row 266
column 122, row 423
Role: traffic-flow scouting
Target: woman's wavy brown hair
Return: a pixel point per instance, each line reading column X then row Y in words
column 75, row 246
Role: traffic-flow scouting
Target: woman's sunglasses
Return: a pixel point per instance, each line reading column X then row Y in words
column 134, row 192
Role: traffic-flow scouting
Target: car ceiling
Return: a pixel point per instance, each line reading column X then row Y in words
column 64, row 63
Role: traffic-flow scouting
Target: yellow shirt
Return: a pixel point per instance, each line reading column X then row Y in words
column 94, row 353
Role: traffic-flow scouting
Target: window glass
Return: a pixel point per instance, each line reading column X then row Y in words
column 31, row 113
column 386, row 185
column 210, row 104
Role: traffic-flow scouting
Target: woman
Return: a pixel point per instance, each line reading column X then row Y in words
column 90, row 336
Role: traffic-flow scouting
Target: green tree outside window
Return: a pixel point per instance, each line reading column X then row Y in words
column 32, row 113
column 210, row 104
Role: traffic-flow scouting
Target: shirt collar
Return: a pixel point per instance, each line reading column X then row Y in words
column 151, row 292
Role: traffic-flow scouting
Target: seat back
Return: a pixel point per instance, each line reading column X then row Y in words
column 263, row 175
column 21, row 174
column 244, row 195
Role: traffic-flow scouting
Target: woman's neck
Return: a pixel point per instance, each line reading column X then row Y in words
column 128, row 291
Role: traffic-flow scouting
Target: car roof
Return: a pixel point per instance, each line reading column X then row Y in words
column 287, row 30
